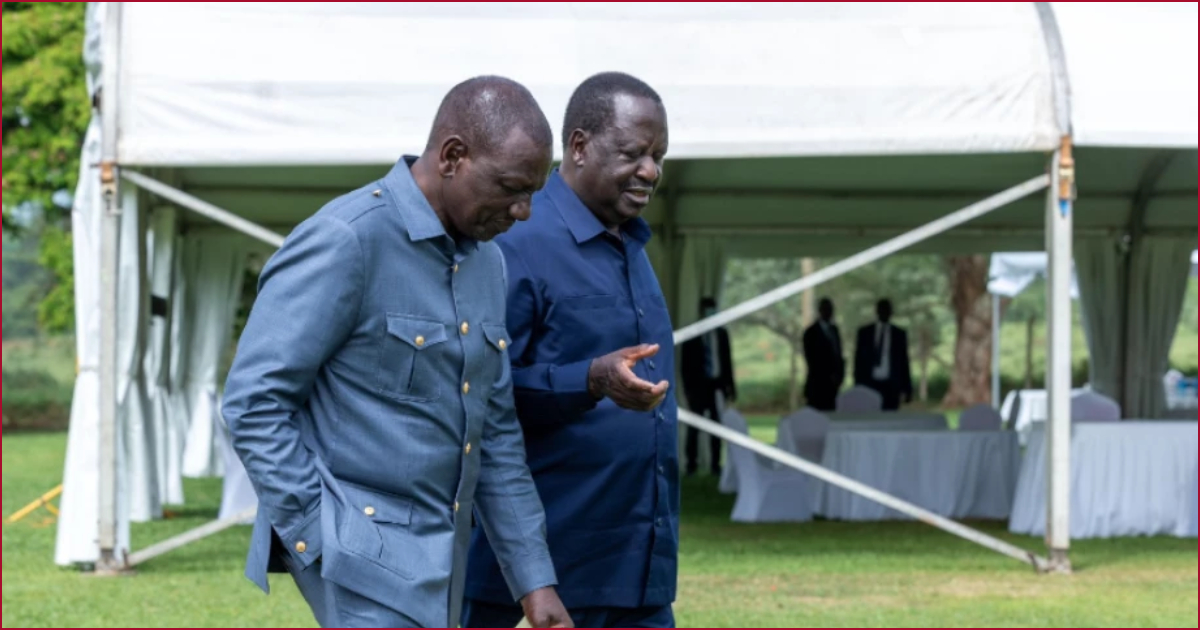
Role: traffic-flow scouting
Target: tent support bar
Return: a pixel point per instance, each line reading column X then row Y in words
column 887, row 232
column 190, row 536
column 199, row 206
column 865, row 257
column 850, row 485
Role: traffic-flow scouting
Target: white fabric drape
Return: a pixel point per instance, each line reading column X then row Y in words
column 168, row 428
column 133, row 402
column 1100, row 266
column 214, row 268
column 700, row 273
column 1157, row 284
column 176, row 399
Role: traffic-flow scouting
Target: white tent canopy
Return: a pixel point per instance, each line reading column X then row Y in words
column 814, row 129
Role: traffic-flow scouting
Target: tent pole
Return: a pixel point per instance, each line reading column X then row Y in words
column 1059, row 218
column 995, row 350
column 108, row 562
column 203, row 208
column 850, row 485
column 863, row 258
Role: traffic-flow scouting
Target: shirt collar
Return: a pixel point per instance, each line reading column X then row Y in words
column 420, row 220
column 584, row 225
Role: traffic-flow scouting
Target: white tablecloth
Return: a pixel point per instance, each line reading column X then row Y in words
column 1127, row 478
column 951, row 473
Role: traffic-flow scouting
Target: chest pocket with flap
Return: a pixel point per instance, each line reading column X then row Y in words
column 497, row 351
column 407, row 357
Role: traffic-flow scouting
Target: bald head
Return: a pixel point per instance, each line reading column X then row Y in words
column 484, row 111
column 488, row 153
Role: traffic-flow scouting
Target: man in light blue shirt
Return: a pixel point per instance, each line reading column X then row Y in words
column 371, row 397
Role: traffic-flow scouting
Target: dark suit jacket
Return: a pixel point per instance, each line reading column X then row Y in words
column 865, row 359
column 826, row 364
column 696, row 384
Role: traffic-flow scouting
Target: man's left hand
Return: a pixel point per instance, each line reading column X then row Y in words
column 543, row 609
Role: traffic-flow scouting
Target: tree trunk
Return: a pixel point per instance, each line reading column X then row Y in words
column 924, row 349
column 808, row 310
column 794, row 382
column 971, row 380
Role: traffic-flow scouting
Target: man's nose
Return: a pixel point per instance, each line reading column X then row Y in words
column 649, row 170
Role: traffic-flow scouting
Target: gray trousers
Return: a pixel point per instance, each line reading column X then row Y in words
column 337, row 607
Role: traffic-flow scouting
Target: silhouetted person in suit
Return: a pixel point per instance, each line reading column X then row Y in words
column 707, row 368
column 881, row 359
column 826, row 363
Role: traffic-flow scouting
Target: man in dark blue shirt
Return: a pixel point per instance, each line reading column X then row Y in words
column 591, row 354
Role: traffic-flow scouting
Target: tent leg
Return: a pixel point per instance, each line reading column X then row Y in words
column 1058, row 357
column 107, row 478
column 108, row 562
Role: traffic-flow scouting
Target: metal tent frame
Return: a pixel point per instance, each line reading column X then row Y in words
column 1057, row 182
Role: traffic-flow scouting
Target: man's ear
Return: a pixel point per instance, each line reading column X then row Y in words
column 454, row 152
column 577, row 147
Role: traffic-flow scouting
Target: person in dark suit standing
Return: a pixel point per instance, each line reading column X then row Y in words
column 707, row 369
column 881, row 359
column 826, row 363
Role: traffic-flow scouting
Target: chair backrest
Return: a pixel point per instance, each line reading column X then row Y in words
column 859, row 399
column 981, row 417
column 803, row 433
column 733, row 419
column 1093, row 407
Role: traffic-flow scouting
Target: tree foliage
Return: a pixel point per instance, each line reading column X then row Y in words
column 46, row 111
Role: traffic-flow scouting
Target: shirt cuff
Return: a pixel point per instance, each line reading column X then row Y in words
column 528, row 575
column 570, row 383
column 303, row 541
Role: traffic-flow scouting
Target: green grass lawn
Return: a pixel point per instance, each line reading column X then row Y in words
column 803, row 575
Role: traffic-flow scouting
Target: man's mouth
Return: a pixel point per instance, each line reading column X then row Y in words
column 639, row 196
